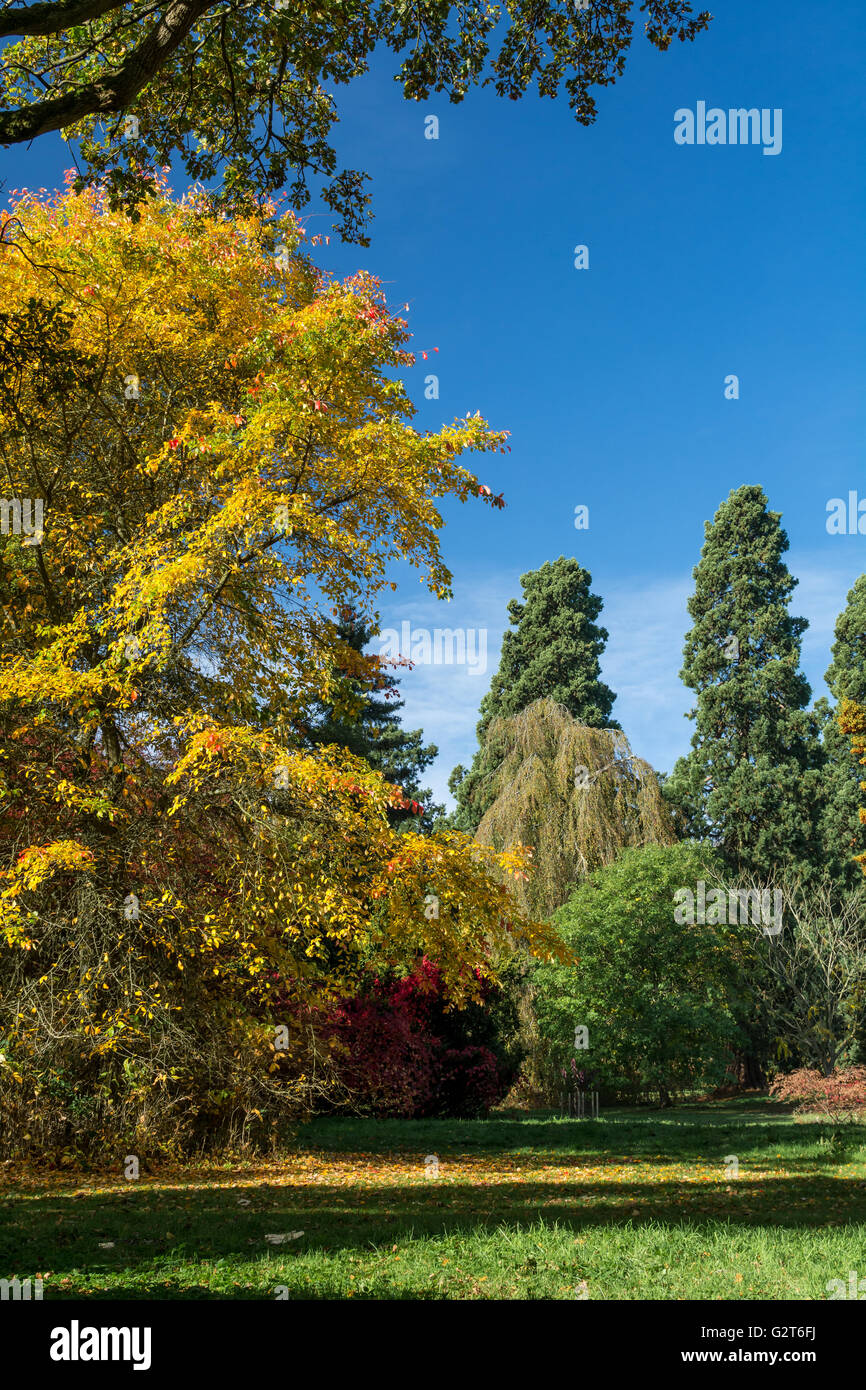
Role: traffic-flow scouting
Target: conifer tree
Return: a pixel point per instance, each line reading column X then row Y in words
column 364, row 718
column 553, row 652
column 577, row 796
column 851, row 718
column 751, row 782
column 843, row 834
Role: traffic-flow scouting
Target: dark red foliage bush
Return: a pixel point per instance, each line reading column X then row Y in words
column 469, row 1082
column 395, row 1051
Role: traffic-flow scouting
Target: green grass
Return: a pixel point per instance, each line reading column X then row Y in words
column 636, row 1206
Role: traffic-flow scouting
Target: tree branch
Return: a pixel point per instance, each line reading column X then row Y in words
column 109, row 94
column 51, row 17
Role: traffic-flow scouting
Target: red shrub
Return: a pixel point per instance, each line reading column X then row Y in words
column 840, row 1096
column 469, row 1082
column 388, row 1060
column 393, row 1057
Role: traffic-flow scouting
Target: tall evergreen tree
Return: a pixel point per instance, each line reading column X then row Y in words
column 553, row 652
column 752, row 779
column 364, row 718
column 842, row 833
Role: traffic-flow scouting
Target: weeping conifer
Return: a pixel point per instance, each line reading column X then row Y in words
column 578, row 795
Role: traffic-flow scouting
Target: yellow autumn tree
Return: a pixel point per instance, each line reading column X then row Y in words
column 206, row 447
column 851, row 718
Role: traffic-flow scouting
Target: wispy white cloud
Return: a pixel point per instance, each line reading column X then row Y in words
column 820, row 596
column 647, row 620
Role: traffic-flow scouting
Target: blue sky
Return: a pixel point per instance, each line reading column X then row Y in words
column 703, row 261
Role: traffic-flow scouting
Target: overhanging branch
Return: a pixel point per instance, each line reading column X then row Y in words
column 51, row 18
column 109, row 94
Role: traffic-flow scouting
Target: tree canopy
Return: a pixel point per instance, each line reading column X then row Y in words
column 751, row 782
column 842, row 831
column 220, row 454
column 371, row 729
column 657, row 998
column 852, row 721
column 242, row 92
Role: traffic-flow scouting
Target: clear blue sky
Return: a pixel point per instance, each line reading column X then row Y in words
column 704, row 261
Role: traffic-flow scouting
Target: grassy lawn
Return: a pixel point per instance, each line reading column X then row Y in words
column 634, row 1206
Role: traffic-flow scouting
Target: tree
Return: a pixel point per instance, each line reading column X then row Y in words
column 229, row 455
column 239, row 91
column 811, row 979
column 839, row 1098
column 851, row 717
column 574, row 795
column 402, row 1051
column 553, row 653
column 752, row 778
column 370, row 728
column 657, row 999
column 842, row 831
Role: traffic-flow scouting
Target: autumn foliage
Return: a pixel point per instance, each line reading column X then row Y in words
column 840, row 1096
column 224, row 453
column 394, row 1055
column 851, row 718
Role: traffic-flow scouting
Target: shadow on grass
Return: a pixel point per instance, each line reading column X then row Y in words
column 682, row 1135
column 152, row 1229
